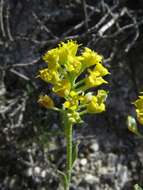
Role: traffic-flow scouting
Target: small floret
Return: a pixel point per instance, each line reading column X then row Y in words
column 93, row 80
column 52, row 57
column 73, row 64
column 94, row 106
column 50, row 76
column 74, row 117
column 46, row 101
column 90, row 58
column 62, row 88
column 97, row 103
column 103, row 71
column 139, row 109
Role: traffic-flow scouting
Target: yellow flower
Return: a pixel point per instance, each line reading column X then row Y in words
column 52, row 57
column 102, row 95
column 46, row 101
column 101, row 70
column 94, row 80
column 84, row 99
column 71, row 104
column 59, row 56
column 95, row 77
column 139, row 109
column 139, row 102
column 62, row 88
column 94, row 106
column 90, row 58
column 50, row 76
column 73, row 64
column 66, row 51
column 74, row 117
column 64, row 67
column 73, row 101
column 71, row 47
column 73, row 94
column 139, row 116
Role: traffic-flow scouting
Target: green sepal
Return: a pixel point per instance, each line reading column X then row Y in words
column 132, row 125
column 137, row 187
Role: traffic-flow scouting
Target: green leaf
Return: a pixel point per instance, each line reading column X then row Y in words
column 74, row 152
column 63, row 179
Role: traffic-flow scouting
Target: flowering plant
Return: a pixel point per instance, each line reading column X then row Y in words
column 64, row 69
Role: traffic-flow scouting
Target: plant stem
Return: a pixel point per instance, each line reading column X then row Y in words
column 79, row 83
column 68, row 136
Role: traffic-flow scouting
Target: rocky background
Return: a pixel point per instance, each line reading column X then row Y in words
column 31, row 139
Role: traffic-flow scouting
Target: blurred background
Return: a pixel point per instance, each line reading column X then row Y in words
column 31, row 140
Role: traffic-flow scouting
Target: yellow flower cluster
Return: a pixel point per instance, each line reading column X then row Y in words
column 139, row 109
column 63, row 69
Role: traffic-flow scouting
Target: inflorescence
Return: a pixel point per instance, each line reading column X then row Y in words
column 64, row 71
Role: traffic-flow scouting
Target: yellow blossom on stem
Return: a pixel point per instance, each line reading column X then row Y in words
column 74, row 117
column 95, row 77
column 71, row 104
column 102, row 95
column 73, row 94
column 103, row 71
column 67, row 50
column 46, row 101
column 73, row 64
column 84, row 99
column 73, row 101
column 90, row 58
column 71, row 47
column 62, row 88
column 139, row 109
column 140, row 116
column 139, row 103
column 52, row 57
column 48, row 75
column 93, row 80
column 96, row 104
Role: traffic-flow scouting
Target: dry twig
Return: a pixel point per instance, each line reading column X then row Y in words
column 2, row 18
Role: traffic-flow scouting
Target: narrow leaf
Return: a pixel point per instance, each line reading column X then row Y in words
column 74, row 152
column 63, row 179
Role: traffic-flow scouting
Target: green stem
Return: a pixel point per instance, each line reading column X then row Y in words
column 69, row 152
column 68, row 136
column 83, row 112
column 139, row 134
column 79, row 83
column 82, row 89
column 57, row 109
